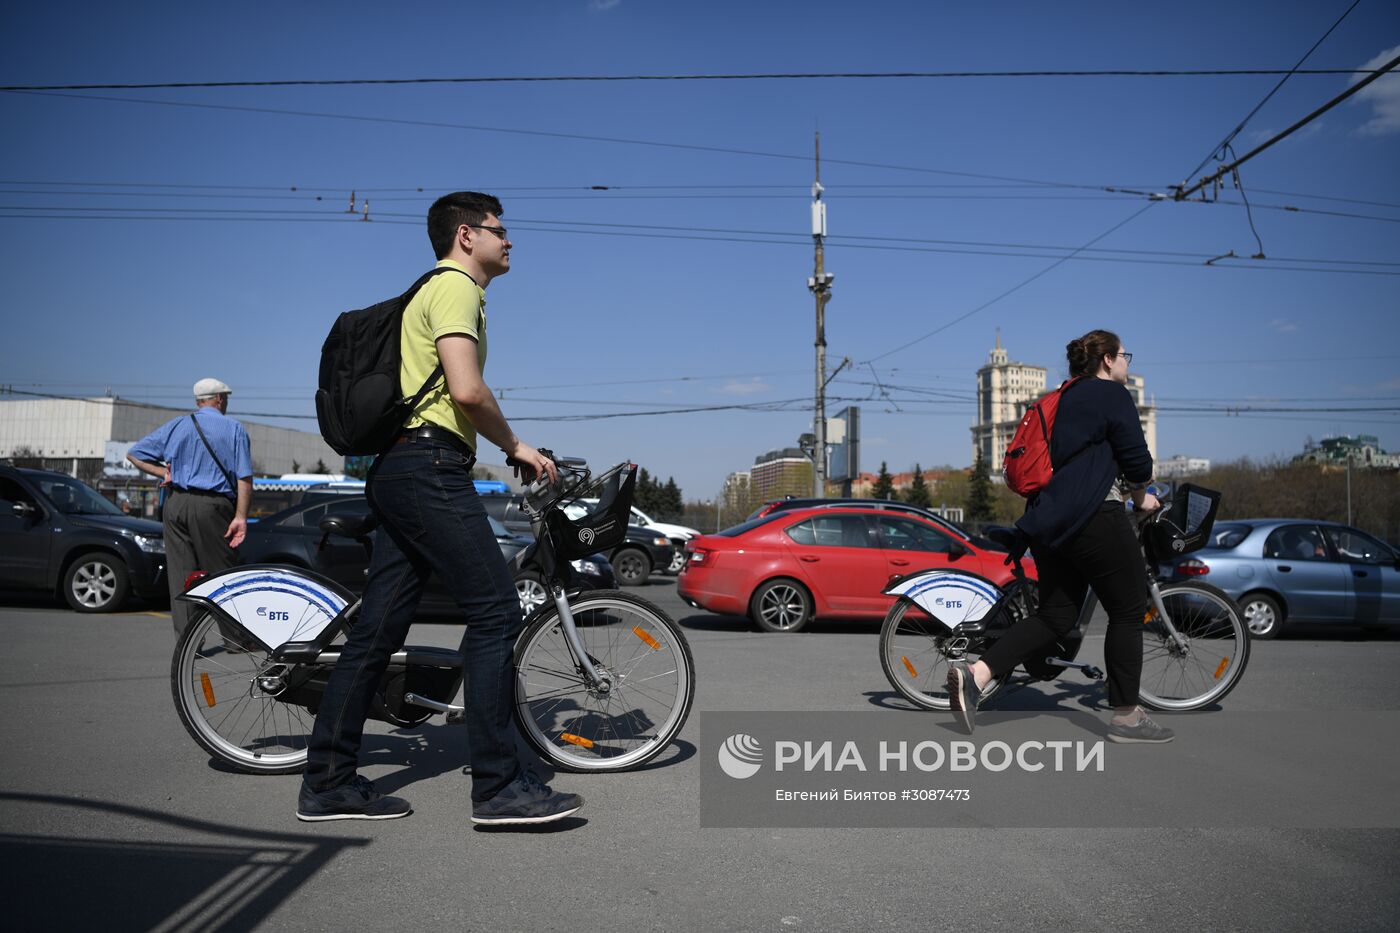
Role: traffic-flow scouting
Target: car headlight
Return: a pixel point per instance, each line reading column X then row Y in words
column 151, row 544
column 587, row 568
column 661, row 542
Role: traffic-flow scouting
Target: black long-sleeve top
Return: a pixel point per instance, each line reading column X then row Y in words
column 1096, row 437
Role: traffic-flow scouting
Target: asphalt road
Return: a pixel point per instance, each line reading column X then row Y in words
column 111, row 816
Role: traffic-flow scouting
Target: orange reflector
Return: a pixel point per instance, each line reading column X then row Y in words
column 652, row 642
column 909, row 667
column 572, row 739
column 1224, row 663
column 208, row 688
column 1151, row 614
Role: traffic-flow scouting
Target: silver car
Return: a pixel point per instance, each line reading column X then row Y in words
column 1284, row 570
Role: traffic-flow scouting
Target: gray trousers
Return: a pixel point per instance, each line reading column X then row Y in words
column 194, row 540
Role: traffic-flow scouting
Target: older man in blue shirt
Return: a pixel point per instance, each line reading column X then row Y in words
column 206, row 461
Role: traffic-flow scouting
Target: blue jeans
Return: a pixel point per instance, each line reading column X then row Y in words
column 430, row 521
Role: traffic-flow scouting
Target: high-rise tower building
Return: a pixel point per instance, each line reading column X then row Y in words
column 1004, row 391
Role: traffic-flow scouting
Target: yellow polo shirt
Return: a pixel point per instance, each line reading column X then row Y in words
column 448, row 304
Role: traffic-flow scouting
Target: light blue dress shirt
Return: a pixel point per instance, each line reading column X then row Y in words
column 177, row 444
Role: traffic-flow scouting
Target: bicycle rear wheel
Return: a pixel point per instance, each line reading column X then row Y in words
column 915, row 650
column 1213, row 659
column 218, row 692
column 579, row 727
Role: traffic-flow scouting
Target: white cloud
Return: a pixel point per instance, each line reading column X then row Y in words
column 1255, row 137
column 602, row 6
column 1282, row 326
column 752, row 387
column 1384, row 95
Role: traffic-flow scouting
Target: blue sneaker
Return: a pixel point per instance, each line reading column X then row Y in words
column 355, row 800
column 526, row 800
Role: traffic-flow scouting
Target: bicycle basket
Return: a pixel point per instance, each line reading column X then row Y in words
column 604, row 526
column 1184, row 525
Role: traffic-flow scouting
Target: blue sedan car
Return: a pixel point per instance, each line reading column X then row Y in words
column 1292, row 570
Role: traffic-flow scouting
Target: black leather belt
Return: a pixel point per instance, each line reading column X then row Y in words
column 199, row 492
column 436, row 435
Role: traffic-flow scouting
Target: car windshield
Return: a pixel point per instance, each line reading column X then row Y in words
column 74, row 498
column 749, row 525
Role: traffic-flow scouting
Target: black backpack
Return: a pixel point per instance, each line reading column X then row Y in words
column 358, row 405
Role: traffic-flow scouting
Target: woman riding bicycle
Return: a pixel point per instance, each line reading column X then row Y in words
column 1080, row 536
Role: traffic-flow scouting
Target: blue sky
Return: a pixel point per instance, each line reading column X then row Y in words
column 702, row 300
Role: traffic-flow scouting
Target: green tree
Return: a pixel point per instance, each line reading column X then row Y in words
column 296, row 467
column 884, row 484
column 674, row 501
column 981, row 507
column 918, row 493
column 321, row 466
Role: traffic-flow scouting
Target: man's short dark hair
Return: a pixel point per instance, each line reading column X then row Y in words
column 452, row 211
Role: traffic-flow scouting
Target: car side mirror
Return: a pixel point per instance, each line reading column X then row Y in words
column 24, row 510
column 956, row 551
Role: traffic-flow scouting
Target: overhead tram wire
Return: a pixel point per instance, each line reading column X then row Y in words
column 1328, row 266
column 436, row 124
column 1257, row 107
column 763, row 76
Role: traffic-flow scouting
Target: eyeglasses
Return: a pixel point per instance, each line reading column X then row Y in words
column 499, row 231
column 1127, row 357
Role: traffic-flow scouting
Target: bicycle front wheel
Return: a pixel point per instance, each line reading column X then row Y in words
column 915, row 650
column 621, row 724
column 1211, row 661
column 218, row 687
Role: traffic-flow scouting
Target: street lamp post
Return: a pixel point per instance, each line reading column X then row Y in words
column 819, row 284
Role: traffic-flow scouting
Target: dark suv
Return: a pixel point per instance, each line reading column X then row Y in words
column 889, row 505
column 60, row 535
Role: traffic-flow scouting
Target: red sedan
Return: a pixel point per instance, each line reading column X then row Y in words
column 784, row 569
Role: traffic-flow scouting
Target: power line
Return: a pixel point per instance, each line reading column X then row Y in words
column 767, row 76
column 703, row 234
column 1286, row 75
column 398, row 121
column 1183, row 193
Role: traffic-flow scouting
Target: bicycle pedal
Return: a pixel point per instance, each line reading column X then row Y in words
column 1093, row 673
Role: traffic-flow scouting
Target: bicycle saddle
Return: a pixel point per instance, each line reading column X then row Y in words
column 349, row 526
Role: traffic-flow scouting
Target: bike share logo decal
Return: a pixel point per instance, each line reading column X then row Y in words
column 740, row 756
column 1178, row 545
column 274, row 614
column 586, row 535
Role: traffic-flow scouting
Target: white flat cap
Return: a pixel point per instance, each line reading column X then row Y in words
column 208, row 388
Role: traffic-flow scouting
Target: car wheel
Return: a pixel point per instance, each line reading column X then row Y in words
column 96, row 582
column 529, row 586
column 631, row 567
column 677, row 562
column 1263, row 616
column 781, row 606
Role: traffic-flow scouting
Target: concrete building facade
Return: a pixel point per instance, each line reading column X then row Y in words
column 778, row 473
column 88, row 438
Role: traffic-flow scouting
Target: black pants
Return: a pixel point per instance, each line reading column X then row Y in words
column 1106, row 556
column 430, row 521
column 194, row 540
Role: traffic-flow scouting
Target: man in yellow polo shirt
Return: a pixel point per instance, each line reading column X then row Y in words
column 430, row 520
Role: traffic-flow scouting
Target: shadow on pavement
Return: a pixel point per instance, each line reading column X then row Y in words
column 109, row 879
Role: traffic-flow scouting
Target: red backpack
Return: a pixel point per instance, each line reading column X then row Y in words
column 1026, row 466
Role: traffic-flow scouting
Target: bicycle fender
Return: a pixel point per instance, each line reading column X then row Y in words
column 948, row 594
column 274, row 603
